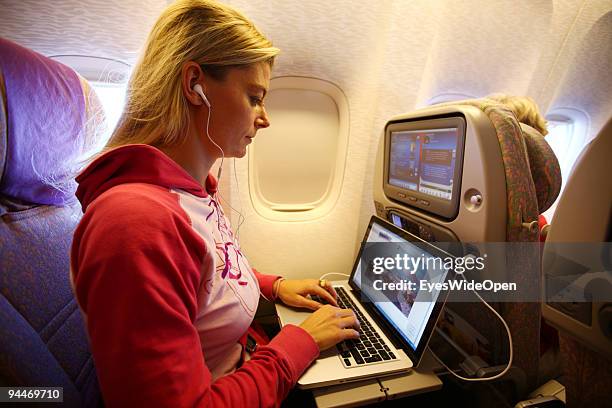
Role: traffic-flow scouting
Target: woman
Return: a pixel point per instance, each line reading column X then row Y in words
column 167, row 293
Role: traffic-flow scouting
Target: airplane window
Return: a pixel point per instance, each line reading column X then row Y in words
column 297, row 164
column 567, row 137
column 112, row 97
column 559, row 136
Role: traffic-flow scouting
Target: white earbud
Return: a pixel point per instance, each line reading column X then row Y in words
column 197, row 88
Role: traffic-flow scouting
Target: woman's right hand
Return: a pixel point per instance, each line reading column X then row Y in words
column 330, row 325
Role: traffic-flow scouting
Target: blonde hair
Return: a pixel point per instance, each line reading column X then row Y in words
column 525, row 109
column 209, row 33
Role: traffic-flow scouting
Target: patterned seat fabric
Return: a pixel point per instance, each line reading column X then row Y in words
column 44, row 109
column 544, row 166
column 523, row 318
column 532, row 184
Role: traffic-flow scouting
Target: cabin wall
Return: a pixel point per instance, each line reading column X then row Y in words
column 391, row 59
column 114, row 29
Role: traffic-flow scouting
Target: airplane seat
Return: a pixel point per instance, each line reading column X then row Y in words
column 577, row 253
column 47, row 114
column 503, row 182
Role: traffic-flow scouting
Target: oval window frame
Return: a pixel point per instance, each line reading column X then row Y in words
column 580, row 122
column 324, row 205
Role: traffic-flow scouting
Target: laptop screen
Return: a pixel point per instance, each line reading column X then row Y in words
column 408, row 311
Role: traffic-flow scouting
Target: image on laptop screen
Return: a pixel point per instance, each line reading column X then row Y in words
column 408, row 311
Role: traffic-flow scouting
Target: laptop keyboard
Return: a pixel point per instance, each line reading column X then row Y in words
column 369, row 348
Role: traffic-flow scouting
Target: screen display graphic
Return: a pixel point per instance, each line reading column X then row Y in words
column 424, row 161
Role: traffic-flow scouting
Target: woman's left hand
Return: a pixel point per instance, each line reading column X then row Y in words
column 295, row 292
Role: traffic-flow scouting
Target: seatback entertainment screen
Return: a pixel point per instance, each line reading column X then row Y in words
column 423, row 163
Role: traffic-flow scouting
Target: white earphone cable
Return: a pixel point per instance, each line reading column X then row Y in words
column 333, row 273
column 213, row 142
column 241, row 218
column 510, row 357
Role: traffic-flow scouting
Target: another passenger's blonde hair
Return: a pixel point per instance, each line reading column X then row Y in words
column 525, row 109
column 204, row 31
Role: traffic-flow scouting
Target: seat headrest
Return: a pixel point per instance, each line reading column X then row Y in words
column 545, row 169
column 43, row 132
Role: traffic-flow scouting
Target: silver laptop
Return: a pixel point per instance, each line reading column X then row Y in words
column 395, row 324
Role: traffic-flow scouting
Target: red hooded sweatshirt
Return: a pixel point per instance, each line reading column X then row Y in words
column 167, row 293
